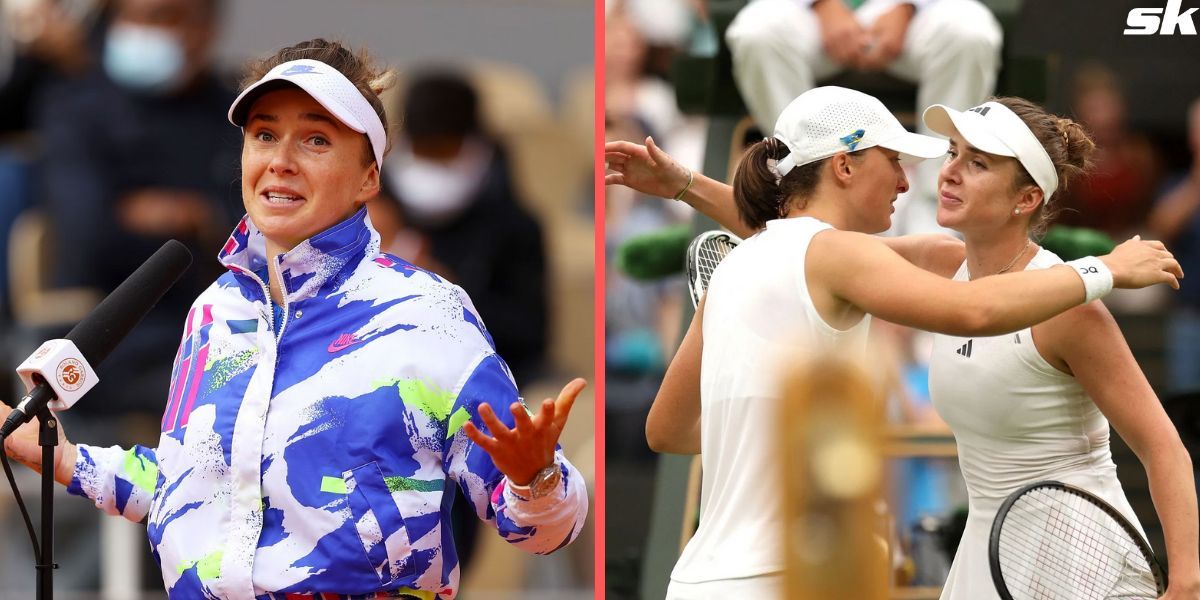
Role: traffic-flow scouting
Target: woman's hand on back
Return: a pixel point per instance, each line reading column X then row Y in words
column 1139, row 263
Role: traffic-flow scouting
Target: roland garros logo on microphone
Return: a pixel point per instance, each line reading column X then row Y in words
column 71, row 374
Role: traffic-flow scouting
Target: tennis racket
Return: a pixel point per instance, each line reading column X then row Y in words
column 703, row 255
column 1054, row 541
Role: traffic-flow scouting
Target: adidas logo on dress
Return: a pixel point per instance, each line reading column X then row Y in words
column 965, row 350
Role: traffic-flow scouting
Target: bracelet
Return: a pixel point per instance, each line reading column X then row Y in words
column 1097, row 279
column 685, row 189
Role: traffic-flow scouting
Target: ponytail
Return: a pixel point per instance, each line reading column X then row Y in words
column 760, row 193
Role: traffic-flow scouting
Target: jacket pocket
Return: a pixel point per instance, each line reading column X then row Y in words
column 378, row 522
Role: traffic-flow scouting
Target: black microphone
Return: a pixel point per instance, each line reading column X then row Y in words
column 99, row 332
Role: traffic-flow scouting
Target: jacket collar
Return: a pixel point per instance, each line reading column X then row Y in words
column 308, row 266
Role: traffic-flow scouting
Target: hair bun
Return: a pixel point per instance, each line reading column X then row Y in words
column 1076, row 142
column 1062, row 125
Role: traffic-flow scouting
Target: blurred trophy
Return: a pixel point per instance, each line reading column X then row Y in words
column 832, row 464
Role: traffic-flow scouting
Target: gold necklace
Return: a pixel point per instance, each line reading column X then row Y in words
column 1014, row 260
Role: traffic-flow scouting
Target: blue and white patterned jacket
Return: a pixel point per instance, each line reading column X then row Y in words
column 320, row 463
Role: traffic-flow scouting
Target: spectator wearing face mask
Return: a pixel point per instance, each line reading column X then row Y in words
column 131, row 159
column 462, row 218
column 41, row 42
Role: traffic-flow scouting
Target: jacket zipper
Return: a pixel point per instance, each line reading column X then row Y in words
column 283, row 293
column 266, row 288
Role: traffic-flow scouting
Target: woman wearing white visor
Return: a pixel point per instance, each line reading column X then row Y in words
column 1036, row 404
column 326, row 397
column 806, row 280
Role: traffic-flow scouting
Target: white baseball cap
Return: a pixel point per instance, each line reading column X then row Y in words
column 993, row 128
column 826, row 120
column 330, row 88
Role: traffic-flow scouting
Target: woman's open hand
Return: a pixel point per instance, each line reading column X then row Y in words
column 1139, row 263
column 646, row 169
column 528, row 447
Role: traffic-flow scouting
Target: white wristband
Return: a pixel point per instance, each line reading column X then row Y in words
column 1097, row 279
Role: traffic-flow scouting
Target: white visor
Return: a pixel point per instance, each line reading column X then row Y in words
column 330, row 89
column 993, row 128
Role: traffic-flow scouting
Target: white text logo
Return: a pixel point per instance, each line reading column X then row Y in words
column 1146, row 21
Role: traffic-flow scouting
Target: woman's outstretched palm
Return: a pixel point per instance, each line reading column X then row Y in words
column 528, row 447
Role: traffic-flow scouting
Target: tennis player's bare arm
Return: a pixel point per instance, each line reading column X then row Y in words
column 649, row 170
column 939, row 253
column 1087, row 343
column 673, row 425
column 850, row 274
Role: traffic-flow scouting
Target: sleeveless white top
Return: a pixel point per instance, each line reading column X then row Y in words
column 758, row 317
column 1016, row 420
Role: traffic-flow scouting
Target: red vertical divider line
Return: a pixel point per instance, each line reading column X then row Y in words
column 598, row 303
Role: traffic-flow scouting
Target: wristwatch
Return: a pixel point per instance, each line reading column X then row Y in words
column 543, row 484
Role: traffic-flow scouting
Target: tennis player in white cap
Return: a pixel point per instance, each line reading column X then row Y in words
column 807, row 280
column 327, row 397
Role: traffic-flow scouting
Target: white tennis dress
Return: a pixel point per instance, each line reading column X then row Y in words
column 1017, row 420
column 758, row 319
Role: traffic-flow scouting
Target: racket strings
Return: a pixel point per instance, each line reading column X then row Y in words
column 1057, row 545
column 709, row 254
column 1058, row 537
column 712, row 252
column 1048, row 577
column 1097, row 579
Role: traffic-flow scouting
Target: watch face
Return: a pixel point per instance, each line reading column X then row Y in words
column 542, row 484
column 546, row 481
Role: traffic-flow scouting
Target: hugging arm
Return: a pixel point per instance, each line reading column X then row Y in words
column 649, row 170
column 886, row 285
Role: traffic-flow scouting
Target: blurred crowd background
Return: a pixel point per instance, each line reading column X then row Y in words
column 670, row 74
column 113, row 139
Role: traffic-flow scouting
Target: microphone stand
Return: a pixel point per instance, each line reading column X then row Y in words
column 48, row 440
